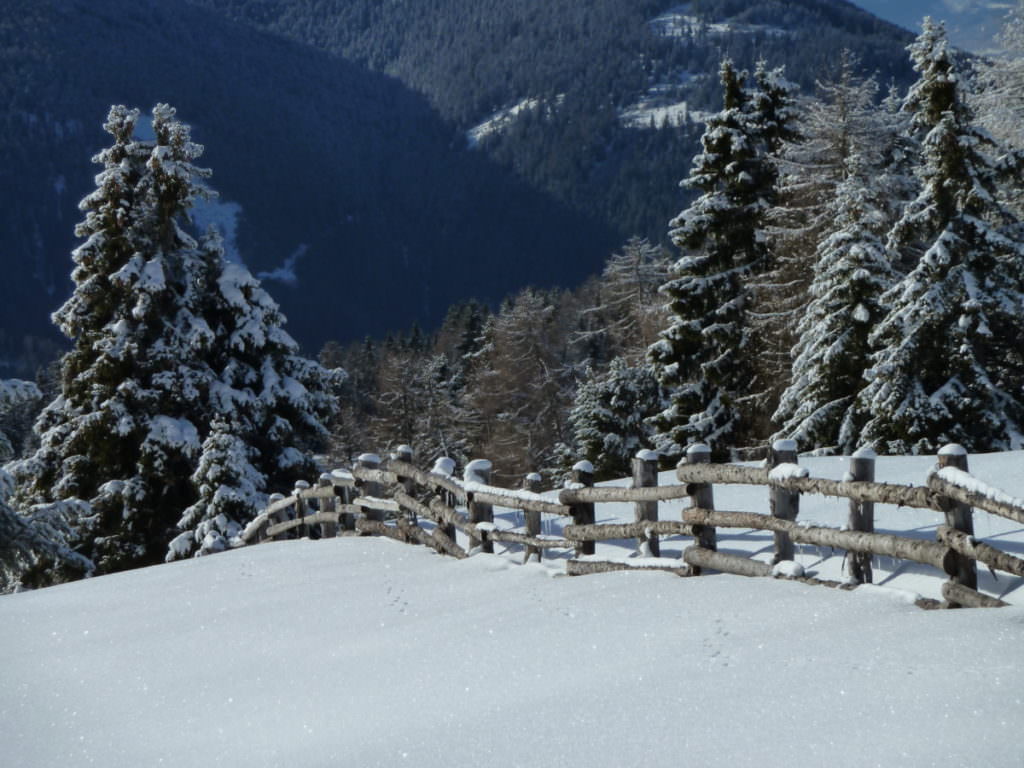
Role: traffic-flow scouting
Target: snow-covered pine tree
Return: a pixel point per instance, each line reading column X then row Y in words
column 949, row 367
column 851, row 272
column 115, row 436
column 262, row 406
column 14, row 394
column 230, row 489
column 704, row 357
column 140, row 387
column 608, row 419
column 999, row 99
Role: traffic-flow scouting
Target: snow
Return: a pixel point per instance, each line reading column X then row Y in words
column 286, row 273
column 972, row 484
column 788, row 472
column 367, row 652
column 788, row 569
column 583, row 466
column 504, row 118
column 647, row 455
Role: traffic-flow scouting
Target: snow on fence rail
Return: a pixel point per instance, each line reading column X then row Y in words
column 392, row 497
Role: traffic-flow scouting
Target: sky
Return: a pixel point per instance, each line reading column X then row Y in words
column 971, row 23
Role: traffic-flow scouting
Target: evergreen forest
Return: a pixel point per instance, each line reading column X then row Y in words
column 844, row 268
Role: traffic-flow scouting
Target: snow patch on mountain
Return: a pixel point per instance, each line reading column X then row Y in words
column 503, row 118
column 677, row 22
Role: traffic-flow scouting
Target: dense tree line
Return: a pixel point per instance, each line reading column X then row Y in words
column 850, row 275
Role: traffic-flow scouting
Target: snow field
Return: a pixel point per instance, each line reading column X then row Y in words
column 366, row 652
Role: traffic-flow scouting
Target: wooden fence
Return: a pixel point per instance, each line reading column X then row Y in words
column 392, row 498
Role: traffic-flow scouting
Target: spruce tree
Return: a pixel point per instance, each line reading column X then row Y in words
column 948, row 366
column 850, row 274
column 608, row 419
column 147, row 373
column 705, row 357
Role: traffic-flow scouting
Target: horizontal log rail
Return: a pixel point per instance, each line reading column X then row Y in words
column 882, row 493
column 884, row 544
column 569, row 496
column 315, row 519
column 588, row 567
column 945, row 483
column 610, row 531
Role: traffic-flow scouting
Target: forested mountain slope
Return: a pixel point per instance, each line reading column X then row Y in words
column 386, row 217
column 338, row 133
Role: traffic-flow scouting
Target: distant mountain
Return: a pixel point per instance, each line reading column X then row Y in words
column 379, row 161
column 341, row 182
column 972, row 24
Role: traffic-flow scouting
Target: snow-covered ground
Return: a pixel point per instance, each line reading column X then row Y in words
column 366, row 652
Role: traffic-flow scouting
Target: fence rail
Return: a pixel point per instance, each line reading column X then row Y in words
column 390, row 498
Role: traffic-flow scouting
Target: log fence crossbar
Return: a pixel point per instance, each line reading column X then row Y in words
column 392, row 497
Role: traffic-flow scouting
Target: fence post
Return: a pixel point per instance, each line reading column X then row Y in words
column 702, row 496
column 479, row 471
column 862, row 513
column 301, row 508
column 278, row 517
column 532, row 483
column 404, row 453
column 963, row 570
column 583, row 514
column 445, row 467
column 645, row 475
column 346, row 520
column 785, row 505
column 370, row 488
column 328, row 529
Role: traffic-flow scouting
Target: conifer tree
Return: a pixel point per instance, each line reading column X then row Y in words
column 608, row 419
column 705, row 357
column 832, row 352
column 140, row 387
column 949, row 367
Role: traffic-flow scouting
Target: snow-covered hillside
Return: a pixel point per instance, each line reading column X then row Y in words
column 365, row 652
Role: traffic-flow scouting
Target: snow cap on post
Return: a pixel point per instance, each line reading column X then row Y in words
column 301, row 485
column 784, row 446
column 867, row 452
column 444, row 466
column 368, row 459
column 697, row 448
column 403, row 453
column 477, row 471
column 952, row 449
column 534, row 477
column 583, row 466
column 647, row 455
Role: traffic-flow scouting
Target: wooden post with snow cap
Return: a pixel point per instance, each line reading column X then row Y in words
column 404, row 453
column 702, row 496
column 301, row 508
column 328, row 528
column 862, row 513
column 962, row 570
column 479, row 471
column 278, row 517
column 583, row 514
column 445, row 467
column 645, row 475
column 370, row 488
column 532, row 483
column 346, row 520
column 785, row 505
